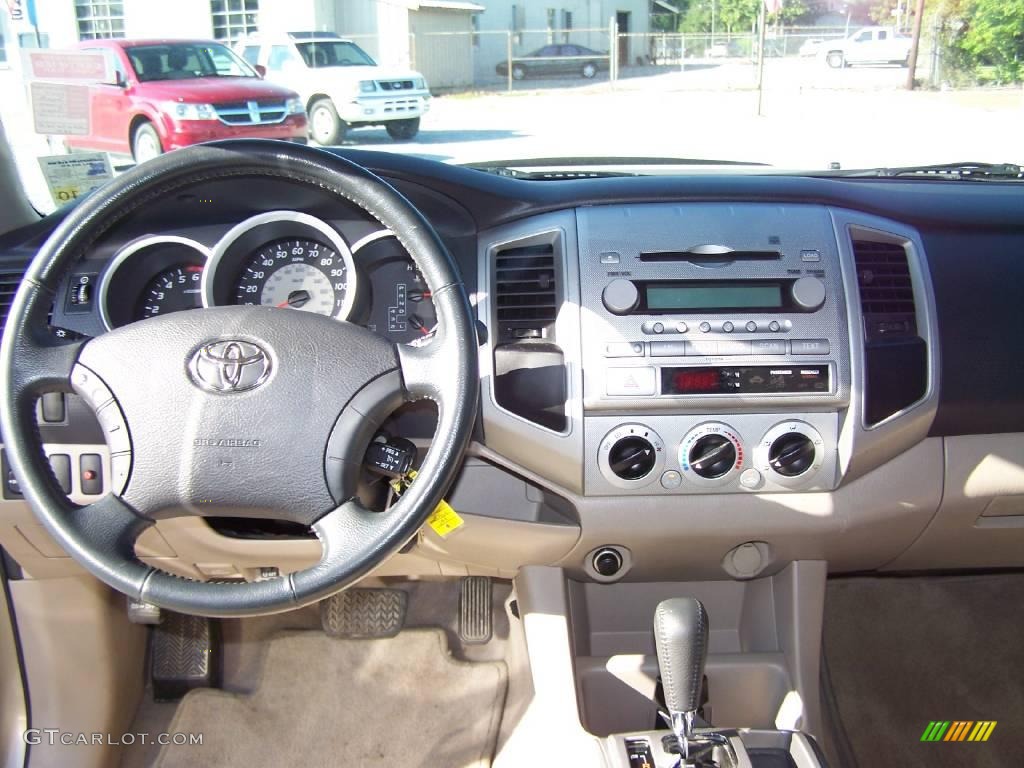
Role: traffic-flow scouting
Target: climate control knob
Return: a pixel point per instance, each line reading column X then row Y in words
column 791, row 454
column 712, row 456
column 631, row 456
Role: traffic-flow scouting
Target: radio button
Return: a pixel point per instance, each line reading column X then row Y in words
column 728, row 327
column 669, row 348
column 767, row 347
column 705, row 327
column 751, row 326
column 810, row 347
column 658, row 328
column 808, row 293
column 774, row 326
column 638, row 382
column 701, row 348
column 734, row 347
column 620, row 297
column 624, row 349
column 682, row 327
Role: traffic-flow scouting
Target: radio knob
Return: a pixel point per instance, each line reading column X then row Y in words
column 712, row 456
column 791, row 454
column 632, row 457
column 620, row 297
column 808, row 293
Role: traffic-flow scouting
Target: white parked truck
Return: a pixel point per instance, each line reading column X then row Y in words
column 341, row 86
column 871, row 45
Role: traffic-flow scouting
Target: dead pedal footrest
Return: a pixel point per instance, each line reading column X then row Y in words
column 364, row 613
column 475, row 609
column 184, row 654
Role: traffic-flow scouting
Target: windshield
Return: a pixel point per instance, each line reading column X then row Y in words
column 185, row 61
column 334, row 54
column 632, row 85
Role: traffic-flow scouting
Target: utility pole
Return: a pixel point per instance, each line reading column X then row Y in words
column 912, row 58
column 760, row 57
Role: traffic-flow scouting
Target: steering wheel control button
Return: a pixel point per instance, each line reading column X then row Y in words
column 60, row 463
column 808, row 293
column 620, row 297
column 751, row 479
column 810, row 347
column 711, row 454
column 90, row 474
column 631, row 455
column 637, row 382
column 107, row 410
column 670, row 480
column 790, row 454
column 230, row 366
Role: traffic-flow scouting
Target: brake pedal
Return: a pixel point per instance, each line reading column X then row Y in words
column 475, row 610
column 364, row 613
column 185, row 654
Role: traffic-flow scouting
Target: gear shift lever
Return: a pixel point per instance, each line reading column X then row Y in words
column 681, row 636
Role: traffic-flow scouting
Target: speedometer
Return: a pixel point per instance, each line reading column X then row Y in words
column 298, row 273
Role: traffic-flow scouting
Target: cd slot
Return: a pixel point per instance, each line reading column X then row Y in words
column 708, row 255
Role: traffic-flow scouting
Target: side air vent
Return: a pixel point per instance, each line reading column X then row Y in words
column 530, row 377
column 526, row 291
column 9, row 282
column 886, row 292
column 895, row 357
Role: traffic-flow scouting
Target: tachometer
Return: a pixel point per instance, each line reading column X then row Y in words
column 173, row 290
column 297, row 273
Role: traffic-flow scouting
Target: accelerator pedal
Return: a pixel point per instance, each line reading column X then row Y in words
column 475, row 610
column 185, row 654
column 364, row 613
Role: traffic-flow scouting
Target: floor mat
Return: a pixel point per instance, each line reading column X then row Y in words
column 902, row 652
column 325, row 701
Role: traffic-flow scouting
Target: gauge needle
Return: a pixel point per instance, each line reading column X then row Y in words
column 297, row 299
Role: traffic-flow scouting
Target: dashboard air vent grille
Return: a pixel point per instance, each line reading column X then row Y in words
column 526, row 290
column 9, row 282
column 886, row 290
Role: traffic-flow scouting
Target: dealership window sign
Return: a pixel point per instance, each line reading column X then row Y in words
column 59, row 84
column 21, row 9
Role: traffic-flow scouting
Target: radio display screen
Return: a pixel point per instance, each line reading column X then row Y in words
column 713, row 295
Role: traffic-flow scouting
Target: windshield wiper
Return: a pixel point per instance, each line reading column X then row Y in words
column 967, row 171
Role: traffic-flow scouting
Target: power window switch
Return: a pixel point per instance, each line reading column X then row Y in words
column 90, row 470
column 61, row 465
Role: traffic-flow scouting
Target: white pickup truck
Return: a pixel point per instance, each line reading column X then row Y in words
column 871, row 45
column 340, row 85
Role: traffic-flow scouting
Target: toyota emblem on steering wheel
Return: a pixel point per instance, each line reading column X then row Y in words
column 229, row 366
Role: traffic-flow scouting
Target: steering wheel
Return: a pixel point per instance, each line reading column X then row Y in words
column 237, row 410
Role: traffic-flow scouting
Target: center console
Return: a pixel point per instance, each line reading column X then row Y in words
column 735, row 314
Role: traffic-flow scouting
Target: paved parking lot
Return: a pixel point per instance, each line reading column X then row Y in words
column 812, row 116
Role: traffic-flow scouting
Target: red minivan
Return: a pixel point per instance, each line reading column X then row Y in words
column 167, row 94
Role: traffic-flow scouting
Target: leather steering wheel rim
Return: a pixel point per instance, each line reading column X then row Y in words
column 101, row 536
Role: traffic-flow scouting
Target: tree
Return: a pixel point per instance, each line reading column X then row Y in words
column 992, row 33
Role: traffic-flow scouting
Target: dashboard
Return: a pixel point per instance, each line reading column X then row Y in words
column 681, row 376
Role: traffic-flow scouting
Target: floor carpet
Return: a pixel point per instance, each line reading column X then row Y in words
column 324, row 701
column 904, row 651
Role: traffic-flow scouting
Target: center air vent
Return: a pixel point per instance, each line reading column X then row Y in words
column 526, row 291
column 886, row 291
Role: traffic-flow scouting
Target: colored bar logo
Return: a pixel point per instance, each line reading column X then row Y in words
column 958, row 730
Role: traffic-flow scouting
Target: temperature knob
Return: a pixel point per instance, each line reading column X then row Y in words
column 711, row 454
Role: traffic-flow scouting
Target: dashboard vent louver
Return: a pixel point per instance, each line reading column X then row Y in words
column 886, row 290
column 9, row 282
column 526, row 290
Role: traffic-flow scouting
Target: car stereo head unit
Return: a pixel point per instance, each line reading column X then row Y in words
column 763, row 295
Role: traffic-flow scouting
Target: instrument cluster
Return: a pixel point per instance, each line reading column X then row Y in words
column 284, row 259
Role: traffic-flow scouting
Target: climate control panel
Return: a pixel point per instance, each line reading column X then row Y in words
column 743, row 453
